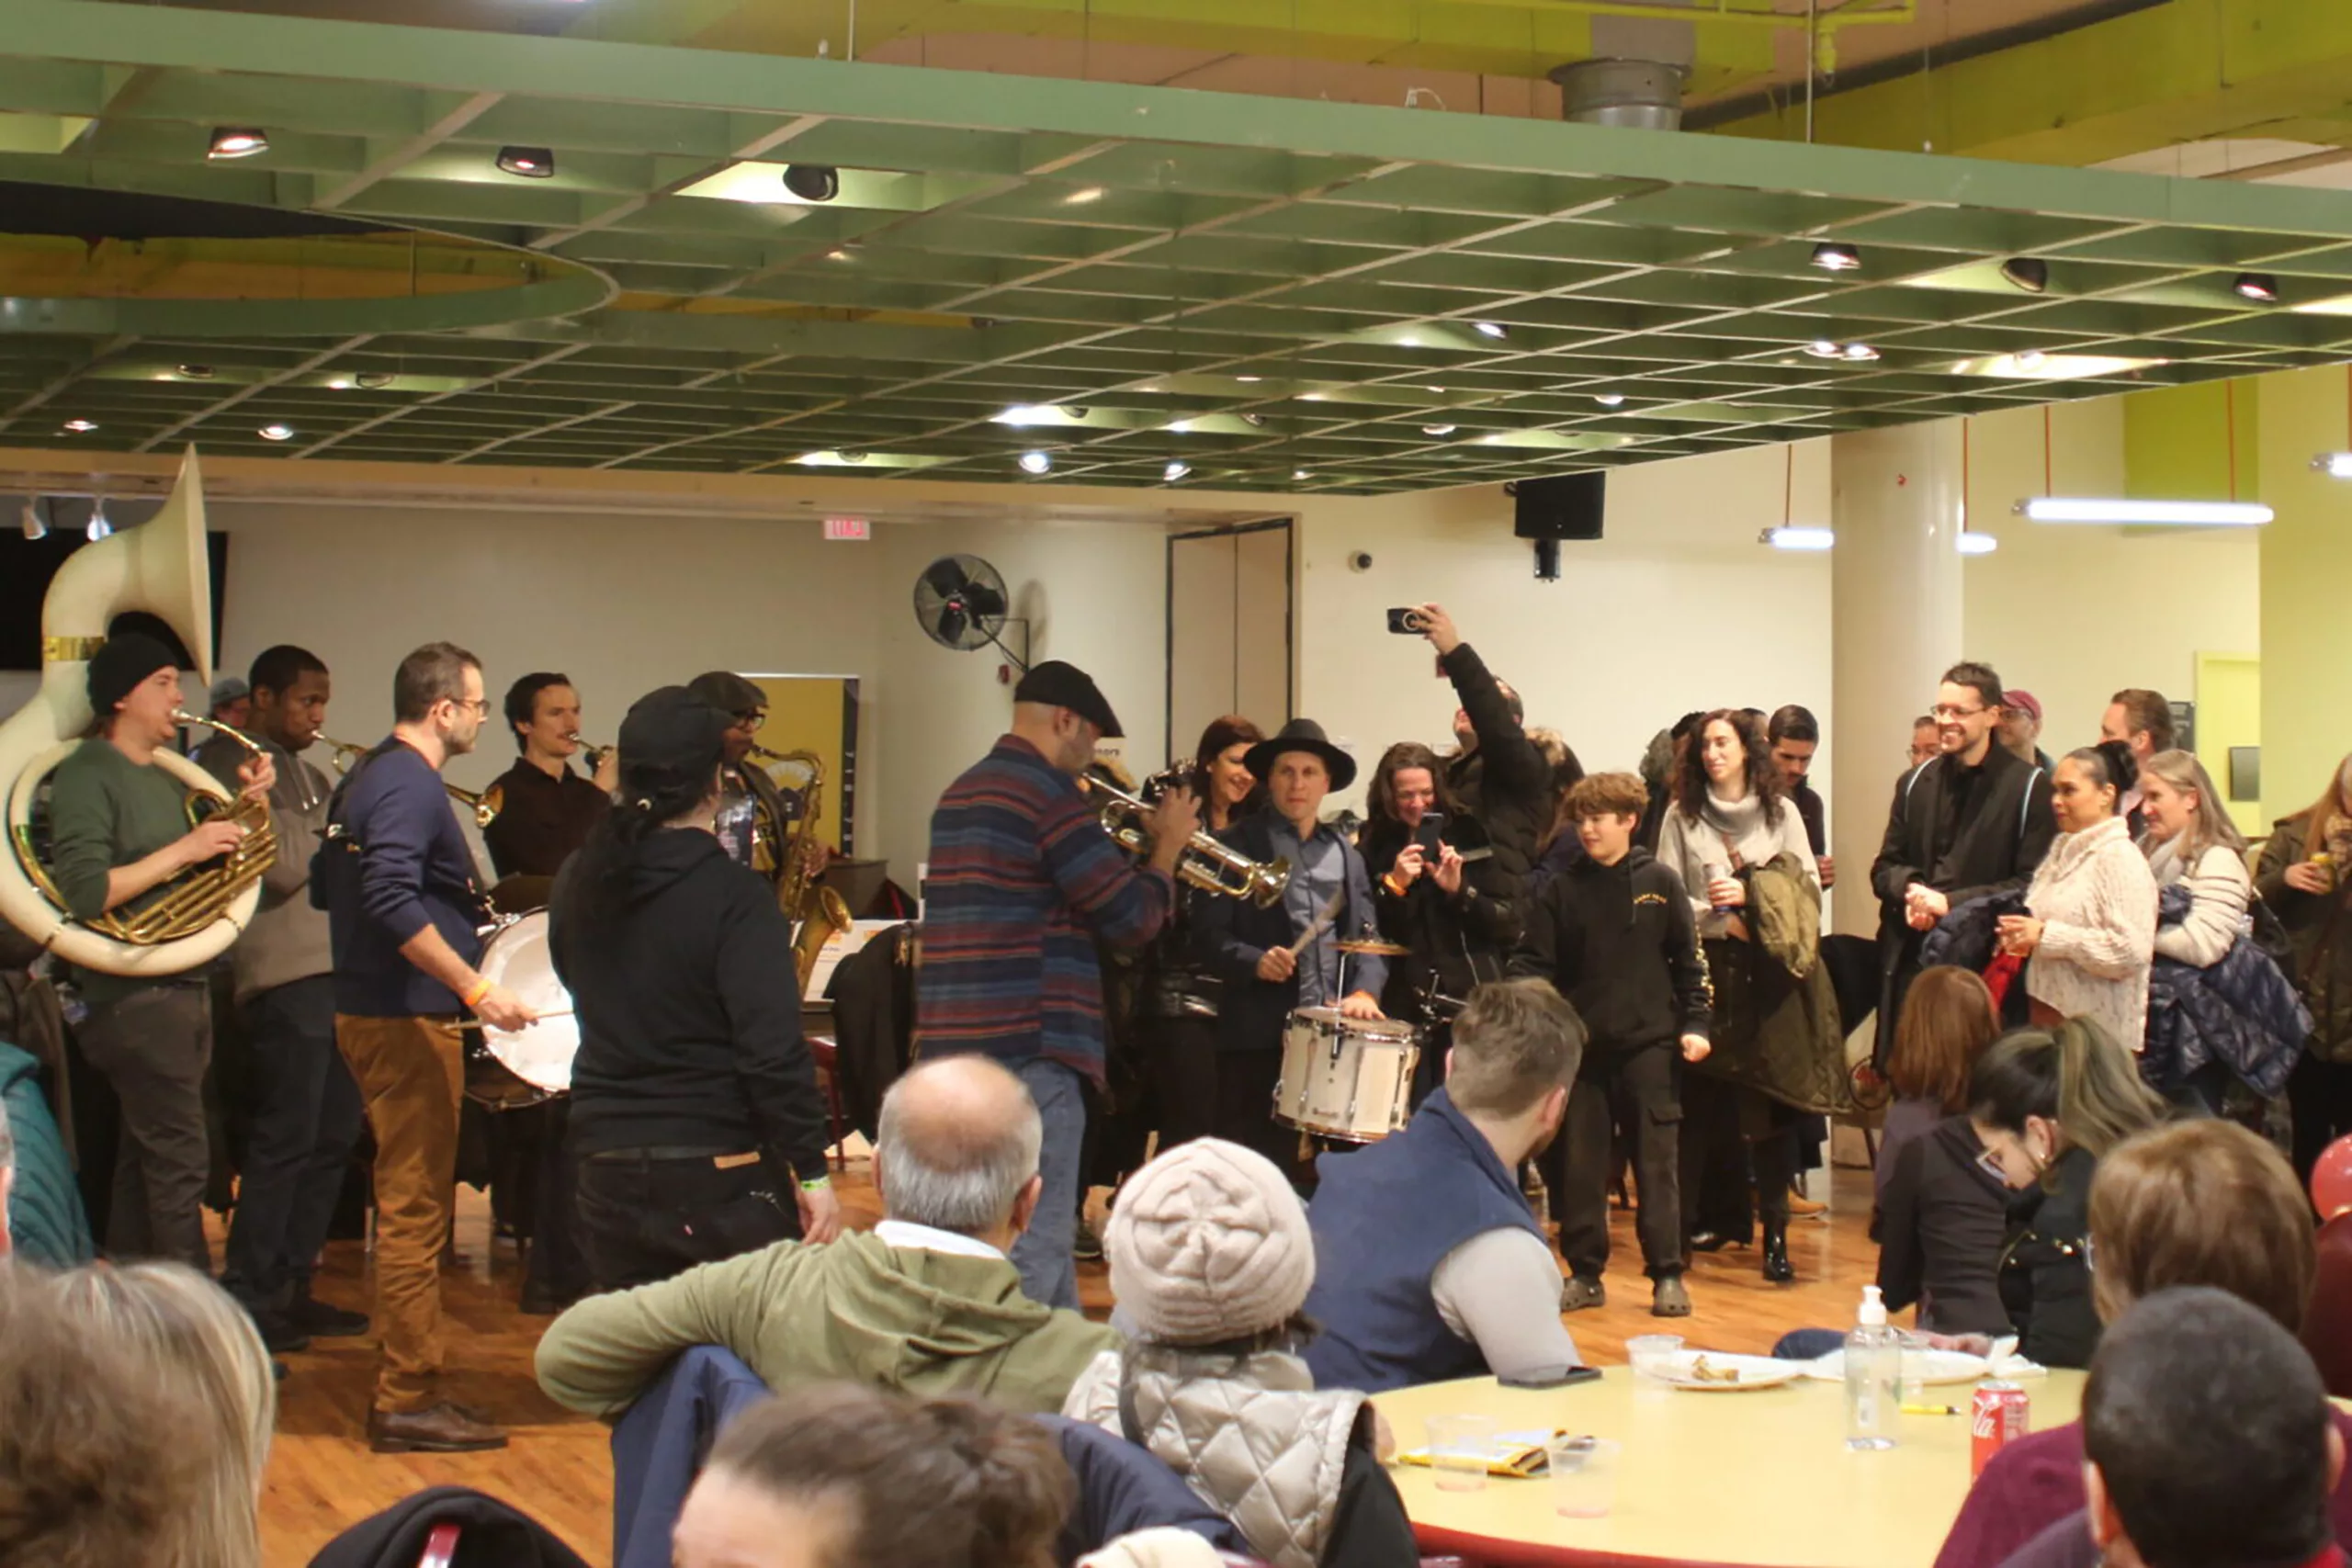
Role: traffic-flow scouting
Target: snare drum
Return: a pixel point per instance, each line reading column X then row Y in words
column 1349, row 1078
column 508, row 1069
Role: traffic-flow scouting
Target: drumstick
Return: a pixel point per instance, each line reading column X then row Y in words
column 1321, row 923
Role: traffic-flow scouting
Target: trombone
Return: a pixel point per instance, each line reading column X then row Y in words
column 484, row 806
column 1207, row 862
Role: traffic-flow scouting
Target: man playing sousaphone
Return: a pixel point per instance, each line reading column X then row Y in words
column 119, row 828
column 1286, row 955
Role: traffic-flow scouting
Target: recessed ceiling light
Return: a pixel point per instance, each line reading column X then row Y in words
column 1409, row 341
column 838, row 253
column 1837, row 258
column 81, row 426
column 1861, row 351
column 1083, row 195
column 277, row 432
column 1438, row 389
column 529, row 163
column 2030, row 273
column 1310, row 397
column 1609, row 400
column 1439, row 429
column 1253, row 420
column 1154, row 388
column 812, row 182
column 1175, row 470
column 1180, row 426
column 853, row 454
column 1495, row 330
column 1298, row 473
column 1249, row 378
column 194, row 372
column 2258, row 287
column 237, row 141
column 1822, row 348
column 1036, row 462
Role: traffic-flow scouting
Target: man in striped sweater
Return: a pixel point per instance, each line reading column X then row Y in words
column 1023, row 881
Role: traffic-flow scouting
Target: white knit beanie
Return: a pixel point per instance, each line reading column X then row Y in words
column 1209, row 1243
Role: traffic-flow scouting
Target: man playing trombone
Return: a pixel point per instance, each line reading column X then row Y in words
column 120, row 827
column 1023, row 879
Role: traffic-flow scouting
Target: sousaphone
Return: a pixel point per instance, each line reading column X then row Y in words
column 159, row 568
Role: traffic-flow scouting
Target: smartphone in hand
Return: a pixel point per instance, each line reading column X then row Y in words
column 1406, row 621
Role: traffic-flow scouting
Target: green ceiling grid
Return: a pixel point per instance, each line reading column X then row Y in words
column 1252, row 266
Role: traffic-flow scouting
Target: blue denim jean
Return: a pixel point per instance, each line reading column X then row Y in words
column 1049, row 1274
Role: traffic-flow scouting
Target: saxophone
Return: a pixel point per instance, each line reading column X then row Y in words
column 816, row 910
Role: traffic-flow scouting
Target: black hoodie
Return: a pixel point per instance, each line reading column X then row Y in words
column 690, row 1020
column 1619, row 943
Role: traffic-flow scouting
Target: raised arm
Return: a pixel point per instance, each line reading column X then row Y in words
column 1125, row 904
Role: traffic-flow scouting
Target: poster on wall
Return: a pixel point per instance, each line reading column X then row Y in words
column 813, row 720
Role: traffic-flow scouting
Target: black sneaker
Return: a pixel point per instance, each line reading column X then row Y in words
column 279, row 1336
column 323, row 1320
column 1086, row 1247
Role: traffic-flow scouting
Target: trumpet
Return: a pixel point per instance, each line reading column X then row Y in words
column 592, row 755
column 484, row 806
column 1206, row 863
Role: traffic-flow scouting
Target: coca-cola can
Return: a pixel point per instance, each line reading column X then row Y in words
column 1996, row 1419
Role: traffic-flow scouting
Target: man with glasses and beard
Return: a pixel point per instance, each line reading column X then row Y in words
column 1973, row 820
column 397, row 881
column 744, row 784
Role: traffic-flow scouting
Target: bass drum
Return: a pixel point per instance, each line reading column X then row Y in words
column 1349, row 1078
column 508, row 1069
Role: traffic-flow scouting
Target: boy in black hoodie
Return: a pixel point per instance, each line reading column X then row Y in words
column 1613, row 934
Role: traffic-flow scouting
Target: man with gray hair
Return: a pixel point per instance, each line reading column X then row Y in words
column 928, row 1302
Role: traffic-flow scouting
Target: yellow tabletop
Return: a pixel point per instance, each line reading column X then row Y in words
column 1760, row 1478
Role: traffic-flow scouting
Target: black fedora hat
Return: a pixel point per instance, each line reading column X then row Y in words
column 1300, row 735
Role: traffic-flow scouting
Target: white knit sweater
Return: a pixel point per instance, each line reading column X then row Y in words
column 2097, row 900
column 1730, row 834
column 2218, row 892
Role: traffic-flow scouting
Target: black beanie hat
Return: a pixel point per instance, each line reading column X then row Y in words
column 672, row 732
column 120, row 665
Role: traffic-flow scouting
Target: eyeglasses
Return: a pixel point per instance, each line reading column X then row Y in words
column 751, row 720
column 1944, row 712
column 479, row 705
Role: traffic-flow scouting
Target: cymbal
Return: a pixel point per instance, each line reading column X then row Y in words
column 1374, row 944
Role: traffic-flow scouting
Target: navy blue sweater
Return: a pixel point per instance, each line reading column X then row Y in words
column 411, row 870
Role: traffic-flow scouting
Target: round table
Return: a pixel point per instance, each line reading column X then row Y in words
column 1758, row 1480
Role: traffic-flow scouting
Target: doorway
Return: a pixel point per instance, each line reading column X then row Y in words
column 1228, row 630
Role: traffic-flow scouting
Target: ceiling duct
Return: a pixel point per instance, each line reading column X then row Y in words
column 1643, row 94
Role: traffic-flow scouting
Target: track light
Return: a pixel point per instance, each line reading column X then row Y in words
column 372, row 380
column 2188, row 514
column 529, row 163
column 1822, row 348
column 276, row 430
column 99, row 527
column 81, row 426
column 194, row 372
column 237, row 141
column 1175, row 470
column 34, row 525
column 1837, row 258
column 1036, row 462
column 2030, row 273
column 1254, row 421
column 1861, row 352
column 812, row 182
column 1494, row 329
column 2258, row 287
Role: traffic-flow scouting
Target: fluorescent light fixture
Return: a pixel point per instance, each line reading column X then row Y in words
column 1494, row 329
column 237, row 141
column 1310, row 397
column 2040, row 365
column 1977, row 544
column 1031, row 413
column 1036, row 462
column 2258, row 287
column 81, row 426
column 1798, row 539
column 2188, row 514
column 1175, row 470
column 1249, row 378
column 1837, row 258
column 2334, row 465
column 529, row 163
column 2030, row 273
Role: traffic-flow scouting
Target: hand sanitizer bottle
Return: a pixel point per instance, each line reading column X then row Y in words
column 1873, row 1376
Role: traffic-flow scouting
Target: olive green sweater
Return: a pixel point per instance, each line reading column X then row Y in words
column 107, row 811
column 856, row 1308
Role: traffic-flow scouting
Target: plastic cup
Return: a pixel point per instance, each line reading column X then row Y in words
column 1460, row 1447
column 1584, row 1475
column 1652, row 1354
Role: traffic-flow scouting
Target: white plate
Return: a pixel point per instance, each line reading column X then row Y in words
column 1755, row 1372
column 1930, row 1367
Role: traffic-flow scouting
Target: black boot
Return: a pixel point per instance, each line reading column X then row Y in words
column 1777, row 1267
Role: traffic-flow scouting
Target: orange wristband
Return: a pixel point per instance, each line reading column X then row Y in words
column 480, row 989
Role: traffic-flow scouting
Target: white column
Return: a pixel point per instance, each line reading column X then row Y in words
column 1894, row 627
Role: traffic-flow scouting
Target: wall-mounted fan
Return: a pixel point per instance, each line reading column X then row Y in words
column 961, row 603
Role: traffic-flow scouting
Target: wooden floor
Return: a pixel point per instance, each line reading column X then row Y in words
column 321, row 1476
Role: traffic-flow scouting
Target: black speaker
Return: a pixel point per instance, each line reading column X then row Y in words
column 1564, row 506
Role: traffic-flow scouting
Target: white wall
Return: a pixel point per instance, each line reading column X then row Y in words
column 2075, row 614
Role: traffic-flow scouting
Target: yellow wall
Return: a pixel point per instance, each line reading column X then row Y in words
column 2306, row 587
column 805, row 714
column 2177, row 442
column 2229, row 713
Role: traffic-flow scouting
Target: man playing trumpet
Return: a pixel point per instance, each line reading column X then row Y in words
column 120, row 827
column 546, row 810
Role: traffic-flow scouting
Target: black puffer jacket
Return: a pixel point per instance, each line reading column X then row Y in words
column 1505, row 783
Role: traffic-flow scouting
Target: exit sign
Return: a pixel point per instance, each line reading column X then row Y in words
column 848, row 528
